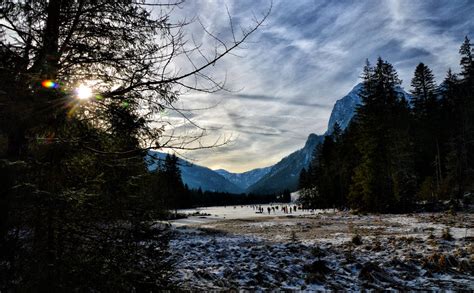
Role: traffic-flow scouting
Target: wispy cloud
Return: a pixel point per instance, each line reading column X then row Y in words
column 308, row 55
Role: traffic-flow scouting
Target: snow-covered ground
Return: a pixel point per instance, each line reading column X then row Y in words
column 305, row 251
column 211, row 214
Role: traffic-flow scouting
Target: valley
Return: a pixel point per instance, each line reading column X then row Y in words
column 283, row 175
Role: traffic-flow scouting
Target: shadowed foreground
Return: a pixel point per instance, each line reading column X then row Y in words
column 327, row 251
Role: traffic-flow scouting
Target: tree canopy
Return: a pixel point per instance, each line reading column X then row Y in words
column 82, row 87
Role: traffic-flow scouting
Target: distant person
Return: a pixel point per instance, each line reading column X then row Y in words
column 269, row 210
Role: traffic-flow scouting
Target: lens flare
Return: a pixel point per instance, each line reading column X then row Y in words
column 49, row 84
column 83, row 92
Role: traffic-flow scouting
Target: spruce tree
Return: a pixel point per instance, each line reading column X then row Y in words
column 461, row 155
column 426, row 127
column 448, row 90
column 383, row 180
column 423, row 90
column 337, row 131
column 174, row 189
column 466, row 62
column 303, row 179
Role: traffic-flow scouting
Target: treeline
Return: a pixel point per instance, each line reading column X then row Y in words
column 396, row 153
column 170, row 191
column 211, row 198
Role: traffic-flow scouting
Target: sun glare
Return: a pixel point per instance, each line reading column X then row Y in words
column 83, row 92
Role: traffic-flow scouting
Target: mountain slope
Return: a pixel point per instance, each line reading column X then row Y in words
column 276, row 178
column 196, row 176
column 246, row 179
column 285, row 174
column 344, row 108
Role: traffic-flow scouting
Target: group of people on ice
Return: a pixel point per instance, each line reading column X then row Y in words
column 287, row 209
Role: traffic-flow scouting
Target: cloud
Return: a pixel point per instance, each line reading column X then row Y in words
column 309, row 54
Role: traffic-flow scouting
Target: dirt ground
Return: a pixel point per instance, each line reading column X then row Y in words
column 342, row 226
column 328, row 251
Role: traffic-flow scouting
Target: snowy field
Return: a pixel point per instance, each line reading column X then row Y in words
column 234, row 248
column 210, row 214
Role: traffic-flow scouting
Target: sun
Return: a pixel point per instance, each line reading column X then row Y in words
column 83, row 92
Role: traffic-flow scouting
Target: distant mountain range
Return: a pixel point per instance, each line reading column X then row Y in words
column 196, row 176
column 273, row 179
column 246, row 179
column 285, row 174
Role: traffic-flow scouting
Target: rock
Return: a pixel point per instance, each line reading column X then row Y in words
column 373, row 273
column 318, row 252
column 317, row 271
column 356, row 240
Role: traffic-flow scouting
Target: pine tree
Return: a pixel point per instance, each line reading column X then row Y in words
column 174, row 186
column 461, row 155
column 383, row 179
column 448, row 93
column 326, row 188
column 337, row 132
column 426, row 127
column 466, row 62
column 423, row 91
column 303, row 181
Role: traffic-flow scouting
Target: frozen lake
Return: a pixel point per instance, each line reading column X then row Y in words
column 209, row 214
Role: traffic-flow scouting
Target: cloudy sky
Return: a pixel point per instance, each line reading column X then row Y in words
column 285, row 80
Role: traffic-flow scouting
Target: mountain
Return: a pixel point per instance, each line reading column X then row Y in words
column 196, row 176
column 345, row 108
column 246, row 179
column 285, row 174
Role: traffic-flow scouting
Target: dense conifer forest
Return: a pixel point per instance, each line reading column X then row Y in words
column 397, row 153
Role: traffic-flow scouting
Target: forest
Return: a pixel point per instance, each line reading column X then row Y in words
column 397, row 154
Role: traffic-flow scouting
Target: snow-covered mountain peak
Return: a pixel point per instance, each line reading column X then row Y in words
column 244, row 179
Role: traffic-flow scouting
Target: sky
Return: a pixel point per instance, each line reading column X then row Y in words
column 285, row 80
